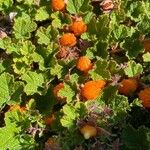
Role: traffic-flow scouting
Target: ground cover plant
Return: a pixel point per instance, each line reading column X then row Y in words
column 74, row 75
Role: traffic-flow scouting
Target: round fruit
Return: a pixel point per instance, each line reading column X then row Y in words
column 88, row 131
column 78, row 27
column 144, row 96
column 92, row 89
column 52, row 144
column 128, row 86
column 84, row 64
column 68, row 39
column 58, row 5
column 56, row 90
column 49, row 119
column 146, row 44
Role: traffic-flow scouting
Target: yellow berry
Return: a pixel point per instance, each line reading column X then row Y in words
column 88, row 131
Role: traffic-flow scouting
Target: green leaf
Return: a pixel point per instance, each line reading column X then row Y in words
column 67, row 92
column 16, row 93
column 34, row 81
column 100, row 70
column 87, row 18
column 100, row 27
column 4, row 43
column 5, row 4
column 146, row 57
column 69, row 117
column 67, row 122
column 56, row 22
column 56, row 69
column 27, row 48
column 10, row 91
column 45, row 36
column 42, row 14
column 9, row 136
column 23, row 26
column 70, row 111
column 29, row 2
column 102, row 49
column 133, row 47
column 77, row 6
column 136, row 139
column 133, row 69
column 25, row 56
column 144, row 25
column 74, row 78
column 81, row 109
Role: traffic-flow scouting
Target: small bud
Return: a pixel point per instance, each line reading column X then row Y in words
column 107, row 5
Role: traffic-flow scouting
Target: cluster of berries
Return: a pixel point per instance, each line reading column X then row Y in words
column 91, row 89
column 128, row 86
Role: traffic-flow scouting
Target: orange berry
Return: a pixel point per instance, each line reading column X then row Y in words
column 84, row 64
column 56, row 90
column 128, row 86
column 49, row 119
column 52, row 144
column 88, row 131
column 68, row 39
column 144, row 96
column 17, row 107
column 58, row 5
column 146, row 44
column 78, row 27
column 92, row 89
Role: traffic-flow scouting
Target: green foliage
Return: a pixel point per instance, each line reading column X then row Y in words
column 67, row 92
column 76, row 7
column 100, row 70
column 23, row 27
column 133, row 69
column 45, row 36
column 33, row 81
column 136, row 139
column 30, row 68
column 10, row 90
column 146, row 57
column 5, row 4
column 11, row 135
column 42, row 14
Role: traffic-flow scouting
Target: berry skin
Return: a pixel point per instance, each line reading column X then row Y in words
column 128, row 86
column 92, row 89
column 58, row 5
column 52, row 144
column 88, row 131
column 49, row 119
column 68, row 39
column 84, row 64
column 78, row 27
column 56, row 90
column 146, row 44
column 144, row 96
